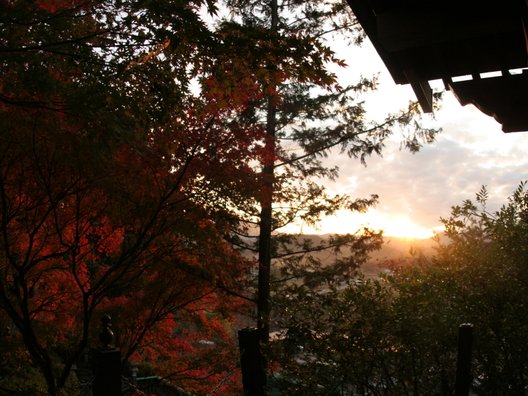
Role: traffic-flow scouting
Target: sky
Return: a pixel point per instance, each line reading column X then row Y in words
column 415, row 190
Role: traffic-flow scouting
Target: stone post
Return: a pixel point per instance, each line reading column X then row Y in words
column 463, row 374
column 252, row 362
column 106, row 363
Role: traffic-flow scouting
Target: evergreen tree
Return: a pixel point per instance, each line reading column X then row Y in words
column 306, row 115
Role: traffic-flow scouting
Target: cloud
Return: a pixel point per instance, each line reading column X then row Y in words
column 420, row 188
column 470, row 152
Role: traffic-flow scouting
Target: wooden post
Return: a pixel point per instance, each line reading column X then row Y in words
column 252, row 362
column 106, row 363
column 463, row 374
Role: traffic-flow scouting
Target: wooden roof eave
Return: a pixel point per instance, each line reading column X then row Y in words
column 416, row 46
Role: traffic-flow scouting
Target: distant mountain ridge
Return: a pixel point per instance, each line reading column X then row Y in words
column 393, row 249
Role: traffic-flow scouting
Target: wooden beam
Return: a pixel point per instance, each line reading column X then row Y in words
column 366, row 16
column 525, row 35
column 503, row 98
column 406, row 29
column 421, row 89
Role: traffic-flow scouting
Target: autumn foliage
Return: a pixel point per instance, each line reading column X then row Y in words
column 116, row 187
column 138, row 146
column 125, row 230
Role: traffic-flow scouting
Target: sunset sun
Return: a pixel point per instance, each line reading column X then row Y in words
column 343, row 222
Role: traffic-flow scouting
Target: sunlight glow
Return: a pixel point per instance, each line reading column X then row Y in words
column 346, row 222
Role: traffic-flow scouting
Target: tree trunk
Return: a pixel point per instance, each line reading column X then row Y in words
column 266, row 214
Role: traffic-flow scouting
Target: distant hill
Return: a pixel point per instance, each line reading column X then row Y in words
column 393, row 249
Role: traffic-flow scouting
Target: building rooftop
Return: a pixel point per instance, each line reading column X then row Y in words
column 487, row 43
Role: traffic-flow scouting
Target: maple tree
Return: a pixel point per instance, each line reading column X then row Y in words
column 116, row 185
column 123, row 191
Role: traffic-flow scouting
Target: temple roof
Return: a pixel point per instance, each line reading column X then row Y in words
column 420, row 41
